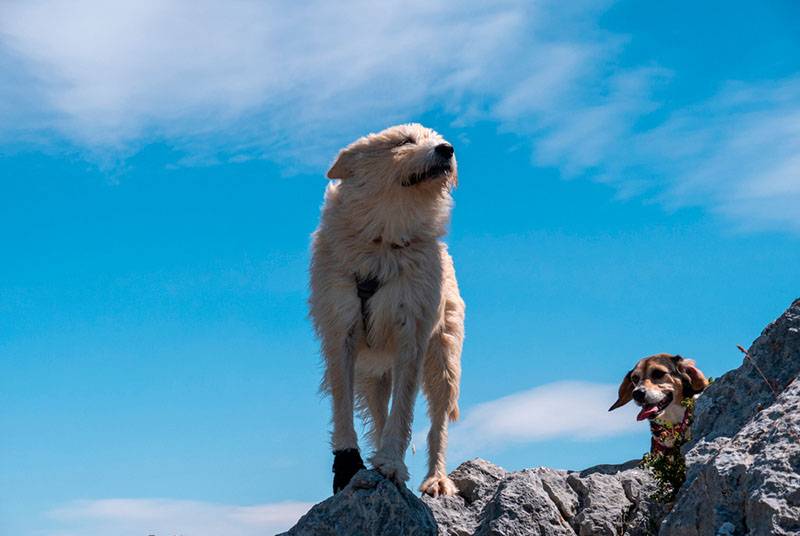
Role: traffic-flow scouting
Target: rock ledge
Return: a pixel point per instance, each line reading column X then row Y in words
column 743, row 475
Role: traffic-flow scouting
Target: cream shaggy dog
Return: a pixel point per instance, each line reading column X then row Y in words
column 384, row 299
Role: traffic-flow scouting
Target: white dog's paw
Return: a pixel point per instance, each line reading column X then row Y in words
column 437, row 485
column 391, row 467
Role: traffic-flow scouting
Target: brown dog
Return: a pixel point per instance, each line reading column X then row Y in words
column 659, row 384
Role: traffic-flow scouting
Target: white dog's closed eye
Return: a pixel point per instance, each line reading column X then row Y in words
column 406, row 141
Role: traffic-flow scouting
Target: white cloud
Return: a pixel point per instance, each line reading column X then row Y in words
column 167, row 517
column 562, row 410
column 280, row 78
column 737, row 152
column 292, row 82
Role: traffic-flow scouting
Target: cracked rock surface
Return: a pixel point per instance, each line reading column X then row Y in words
column 743, row 468
column 369, row 505
column 743, row 476
column 604, row 500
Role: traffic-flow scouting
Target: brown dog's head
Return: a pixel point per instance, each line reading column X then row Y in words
column 400, row 159
column 658, row 384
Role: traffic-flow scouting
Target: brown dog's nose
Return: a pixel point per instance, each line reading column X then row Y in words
column 445, row 150
column 638, row 395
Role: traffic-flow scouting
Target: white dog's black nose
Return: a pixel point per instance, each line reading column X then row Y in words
column 445, row 150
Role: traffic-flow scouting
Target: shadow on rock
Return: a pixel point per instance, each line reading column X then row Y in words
column 369, row 505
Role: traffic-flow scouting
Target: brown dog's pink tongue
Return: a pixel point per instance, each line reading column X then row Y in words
column 647, row 412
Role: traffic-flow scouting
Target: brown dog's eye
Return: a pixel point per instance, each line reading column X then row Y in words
column 635, row 379
column 657, row 374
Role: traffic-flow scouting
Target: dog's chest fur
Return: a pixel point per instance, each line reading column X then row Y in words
column 385, row 240
column 408, row 292
column 673, row 413
column 393, row 247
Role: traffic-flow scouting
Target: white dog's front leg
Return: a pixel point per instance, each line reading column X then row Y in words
column 341, row 372
column 397, row 432
column 340, row 380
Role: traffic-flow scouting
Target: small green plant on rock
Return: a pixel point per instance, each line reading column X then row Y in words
column 665, row 461
column 669, row 470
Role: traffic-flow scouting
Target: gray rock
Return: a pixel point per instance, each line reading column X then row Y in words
column 369, row 505
column 743, row 475
column 743, row 466
column 605, row 500
column 732, row 400
column 748, row 484
column 477, row 481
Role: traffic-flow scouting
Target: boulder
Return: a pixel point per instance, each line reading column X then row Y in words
column 369, row 505
column 743, row 467
column 605, row 500
column 743, row 475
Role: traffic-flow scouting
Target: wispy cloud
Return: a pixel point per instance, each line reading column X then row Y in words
column 562, row 410
column 281, row 78
column 293, row 82
column 737, row 152
column 166, row 517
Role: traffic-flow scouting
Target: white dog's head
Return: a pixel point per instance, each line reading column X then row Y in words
column 404, row 158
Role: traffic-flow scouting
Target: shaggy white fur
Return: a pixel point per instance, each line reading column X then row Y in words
column 383, row 219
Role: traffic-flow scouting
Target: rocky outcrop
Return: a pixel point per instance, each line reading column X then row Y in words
column 743, row 467
column 771, row 364
column 743, row 475
column 369, row 505
column 604, row 500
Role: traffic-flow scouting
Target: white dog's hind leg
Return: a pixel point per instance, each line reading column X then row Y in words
column 397, row 431
column 373, row 395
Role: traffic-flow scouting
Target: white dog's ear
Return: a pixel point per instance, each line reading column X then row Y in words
column 342, row 167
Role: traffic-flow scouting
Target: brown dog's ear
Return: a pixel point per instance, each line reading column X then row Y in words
column 342, row 167
column 692, row 376
column 625, row 392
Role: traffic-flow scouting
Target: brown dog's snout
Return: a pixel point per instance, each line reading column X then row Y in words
column 445, row 150
column 639, row 395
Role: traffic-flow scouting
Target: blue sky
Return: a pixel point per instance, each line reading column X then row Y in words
column 629, row 184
